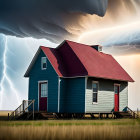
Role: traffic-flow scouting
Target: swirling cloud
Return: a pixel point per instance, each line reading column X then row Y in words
column 45, row 18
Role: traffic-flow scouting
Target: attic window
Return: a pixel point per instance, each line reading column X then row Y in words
column 43, row 63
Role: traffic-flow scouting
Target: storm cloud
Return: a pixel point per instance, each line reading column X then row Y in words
column 46, row 18
column 56, row 20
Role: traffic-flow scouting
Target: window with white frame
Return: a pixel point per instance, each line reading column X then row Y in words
column 43, row 63
column 44, row 89
column 95, row 86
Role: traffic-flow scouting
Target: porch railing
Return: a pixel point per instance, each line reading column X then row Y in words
column 134, row 114
column 27, row 106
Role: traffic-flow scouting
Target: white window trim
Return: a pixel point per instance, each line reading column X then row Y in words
column 42, row 63
column 86, row 79
column 47, row 89
column 97, row 82
column 38, row 92
column 115, row 84
column 59, row 82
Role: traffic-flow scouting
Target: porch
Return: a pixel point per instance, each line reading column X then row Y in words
column 26, row 112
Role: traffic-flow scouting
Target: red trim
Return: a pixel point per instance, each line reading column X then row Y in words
column 116, row 98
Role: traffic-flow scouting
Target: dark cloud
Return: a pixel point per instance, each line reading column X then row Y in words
column 45, row 18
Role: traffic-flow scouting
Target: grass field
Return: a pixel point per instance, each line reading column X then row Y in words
column 108, row 129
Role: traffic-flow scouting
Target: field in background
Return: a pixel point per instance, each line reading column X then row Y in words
column 4, row 115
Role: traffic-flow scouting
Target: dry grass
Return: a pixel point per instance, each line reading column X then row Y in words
column 71, row 129
column 109, row 129
column 70, row 132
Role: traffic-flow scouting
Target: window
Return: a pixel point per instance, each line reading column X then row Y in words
column 44, row 90
column 44, row 63
column 95, row 92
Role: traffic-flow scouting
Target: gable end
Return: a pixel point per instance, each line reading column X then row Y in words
column 34, row 60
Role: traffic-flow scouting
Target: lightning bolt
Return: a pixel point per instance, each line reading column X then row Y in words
column 6, row 78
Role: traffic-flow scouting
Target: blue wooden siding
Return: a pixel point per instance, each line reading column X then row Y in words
column 72, row 95
column 35, row 75
column 63, row 87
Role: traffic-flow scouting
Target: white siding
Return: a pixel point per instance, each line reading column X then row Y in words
column 105, row 96
column 123, row 96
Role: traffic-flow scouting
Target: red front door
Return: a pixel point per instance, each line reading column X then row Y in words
column 116, row 101
column 43, row 94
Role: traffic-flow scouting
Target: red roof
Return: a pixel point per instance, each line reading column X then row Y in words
column 72, row 59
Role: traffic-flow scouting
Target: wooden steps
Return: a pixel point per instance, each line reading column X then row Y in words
column 25, row 110
column 123, row 115
column 48, row 115
column 37, row 116
column 128, row 113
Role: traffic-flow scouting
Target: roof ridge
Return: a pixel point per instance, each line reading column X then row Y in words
column 87, row 45
column 77, row 42
column 44, row 47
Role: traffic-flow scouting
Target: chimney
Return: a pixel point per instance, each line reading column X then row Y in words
column 97, row 48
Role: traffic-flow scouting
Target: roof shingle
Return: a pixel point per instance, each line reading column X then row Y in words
column 72, row 59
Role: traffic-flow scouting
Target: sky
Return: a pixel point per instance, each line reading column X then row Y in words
column 27, row 24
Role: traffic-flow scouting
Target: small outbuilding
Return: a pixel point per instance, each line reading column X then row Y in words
column 77, row 78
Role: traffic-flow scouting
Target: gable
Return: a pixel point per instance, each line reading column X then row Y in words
column 35, row 65
column 65, row 62
column 37, row 75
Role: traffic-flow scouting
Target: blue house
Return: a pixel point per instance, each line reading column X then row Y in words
column 77, row 78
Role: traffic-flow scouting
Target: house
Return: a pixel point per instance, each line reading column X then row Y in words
column 77, row 78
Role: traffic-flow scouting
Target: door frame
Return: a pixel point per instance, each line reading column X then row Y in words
column 43, row 81
column 118, row 95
